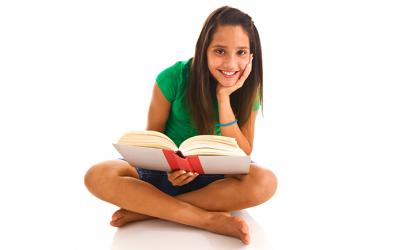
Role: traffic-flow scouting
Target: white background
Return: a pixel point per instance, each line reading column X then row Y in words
column 75, row 75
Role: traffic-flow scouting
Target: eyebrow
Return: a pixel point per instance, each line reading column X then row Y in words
column 222, row 46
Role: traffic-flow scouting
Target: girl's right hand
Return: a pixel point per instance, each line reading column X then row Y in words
column 227, row 91
column 181, row 177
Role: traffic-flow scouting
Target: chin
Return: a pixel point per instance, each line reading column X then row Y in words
column 227, row 84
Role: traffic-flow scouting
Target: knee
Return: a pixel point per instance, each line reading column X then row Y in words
column 263, row 185
column 96, row 176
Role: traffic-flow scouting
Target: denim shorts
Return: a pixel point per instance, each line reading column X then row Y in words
column 159, row 179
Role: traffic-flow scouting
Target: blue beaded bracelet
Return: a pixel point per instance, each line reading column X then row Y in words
column 227, row 124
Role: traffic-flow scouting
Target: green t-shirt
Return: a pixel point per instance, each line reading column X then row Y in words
column 173, row 82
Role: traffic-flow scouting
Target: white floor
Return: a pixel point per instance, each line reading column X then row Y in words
column 74, row 76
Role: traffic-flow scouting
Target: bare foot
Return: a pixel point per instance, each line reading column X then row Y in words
column 226, row 224
column 122, row 217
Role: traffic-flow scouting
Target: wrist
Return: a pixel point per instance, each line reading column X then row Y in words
column 222, row 97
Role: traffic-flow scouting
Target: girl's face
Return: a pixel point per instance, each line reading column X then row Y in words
column 228, row 54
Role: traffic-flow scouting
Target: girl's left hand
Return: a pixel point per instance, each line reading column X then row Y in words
column 227, row 91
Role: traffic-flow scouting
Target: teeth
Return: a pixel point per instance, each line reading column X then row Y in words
column 228, row 73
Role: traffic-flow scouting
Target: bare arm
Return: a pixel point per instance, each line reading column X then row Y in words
column 158, row 111
column 243, row 135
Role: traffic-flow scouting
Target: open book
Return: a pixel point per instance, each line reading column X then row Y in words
column 204, row 154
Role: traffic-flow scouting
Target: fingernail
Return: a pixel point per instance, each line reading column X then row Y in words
column 183, row 171
column 196, row 174
column 190, row 173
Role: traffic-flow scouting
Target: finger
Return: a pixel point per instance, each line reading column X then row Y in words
column 248, row 68
column 183, row 177
column 179, row 182
column 189, row 179
column 173, row 175
column 178, row 179
column 246, row 71
column 243, row 77
column 250, row 64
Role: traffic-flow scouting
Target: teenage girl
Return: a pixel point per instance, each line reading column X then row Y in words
column 218, row 91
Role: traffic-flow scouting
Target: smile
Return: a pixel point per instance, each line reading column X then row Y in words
column 228, row 74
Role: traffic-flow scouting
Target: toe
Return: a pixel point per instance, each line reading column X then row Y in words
column 245, row 228
column 116, row 223
column 246, row 239
column 117, row 215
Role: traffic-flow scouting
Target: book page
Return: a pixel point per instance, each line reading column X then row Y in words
column 214, row 151
column 211, row 139
column 211, row 145
column 147, row 138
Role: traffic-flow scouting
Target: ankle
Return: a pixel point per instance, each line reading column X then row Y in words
column 211, row 217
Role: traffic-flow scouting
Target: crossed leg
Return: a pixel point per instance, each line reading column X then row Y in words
column 117, row 182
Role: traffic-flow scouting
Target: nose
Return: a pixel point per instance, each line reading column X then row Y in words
column 230, row 62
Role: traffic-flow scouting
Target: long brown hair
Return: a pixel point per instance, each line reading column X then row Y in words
column 201, row 92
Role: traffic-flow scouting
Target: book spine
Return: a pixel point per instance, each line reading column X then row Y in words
column 190, row 163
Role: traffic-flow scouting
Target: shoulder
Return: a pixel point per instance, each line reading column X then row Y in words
column 171, row 79
column 175, row 70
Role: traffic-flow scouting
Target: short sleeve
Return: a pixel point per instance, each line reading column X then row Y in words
column 168, row 80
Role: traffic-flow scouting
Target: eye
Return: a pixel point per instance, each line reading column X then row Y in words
column 242, row 52
column 219, row 51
